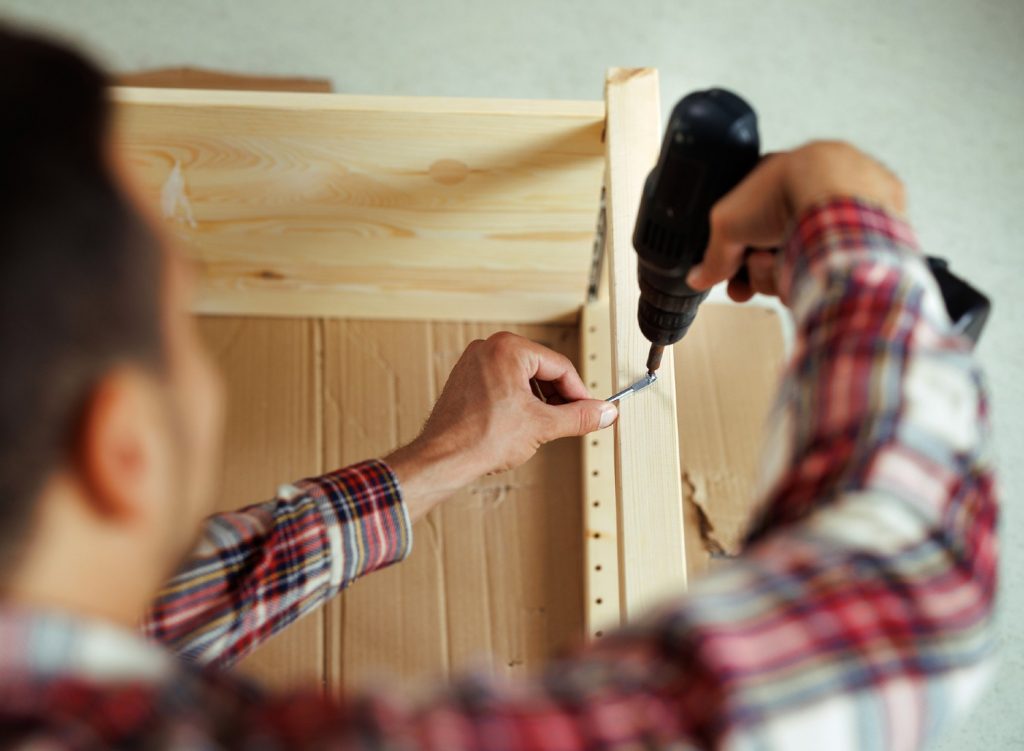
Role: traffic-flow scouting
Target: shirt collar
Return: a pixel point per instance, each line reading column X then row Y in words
column 48, row 644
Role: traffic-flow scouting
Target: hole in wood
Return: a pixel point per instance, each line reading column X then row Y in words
column 593, row 384
column 596, row 504
column 593, row 355
column 597, row 535
column 594, row 443
column 594, row 473
column 598, row 600
column 593, row 329
column 597, row 567
column 599, row 634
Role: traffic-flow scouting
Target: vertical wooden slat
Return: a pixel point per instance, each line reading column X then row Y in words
column 601, row 606
column 651, row 535
column 271, row 438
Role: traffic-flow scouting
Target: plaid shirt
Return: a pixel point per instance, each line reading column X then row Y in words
column 859, row 615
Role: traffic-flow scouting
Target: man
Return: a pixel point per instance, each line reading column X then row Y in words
column 858, row 616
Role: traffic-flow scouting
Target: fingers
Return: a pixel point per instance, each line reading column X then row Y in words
column 556, row 381
column 754, row 213
column 549, row 393
column 761, row 267
column 558, row 370
column 576, row 418
column 556, row 377
column 739, row 288
column 756, row 275
column 542, row 363
column 722, row 259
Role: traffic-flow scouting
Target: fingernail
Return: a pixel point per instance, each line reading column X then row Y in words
column 693, row 276
column 608, row 415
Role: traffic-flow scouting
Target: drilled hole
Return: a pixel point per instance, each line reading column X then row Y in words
column 597, row 535
column 594, row 473
column 596, row 504
column 598, row 600
column 593, row 329
column 593, row 384
column 593, row 355
column 599, row 634
column 594, row 443
column 597, row 567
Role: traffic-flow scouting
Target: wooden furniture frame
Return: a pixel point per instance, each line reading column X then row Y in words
column 338, row 211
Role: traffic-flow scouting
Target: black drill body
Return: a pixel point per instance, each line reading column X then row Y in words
column 710, row 145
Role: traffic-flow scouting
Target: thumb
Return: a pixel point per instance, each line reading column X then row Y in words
column 578, row 418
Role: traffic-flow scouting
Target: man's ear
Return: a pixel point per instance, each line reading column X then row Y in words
column 118, row 455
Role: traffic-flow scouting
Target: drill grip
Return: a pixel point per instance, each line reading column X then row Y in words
column 711, row 143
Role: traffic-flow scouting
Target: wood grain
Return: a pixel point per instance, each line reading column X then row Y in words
column 300, row 204
column 651, row 534
column 272, row 429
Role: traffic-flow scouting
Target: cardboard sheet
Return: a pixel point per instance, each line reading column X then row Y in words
column 495, row 580
column 727, row 371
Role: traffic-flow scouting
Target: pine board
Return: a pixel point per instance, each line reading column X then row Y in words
column 652, row 563
column 393, row 208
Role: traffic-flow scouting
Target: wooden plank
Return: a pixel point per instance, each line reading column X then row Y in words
column 200, row 78
column 600, row 511
column 272, row 437
column 651, row 536
column 372, row 207
column 495, row 576
column 728, row 367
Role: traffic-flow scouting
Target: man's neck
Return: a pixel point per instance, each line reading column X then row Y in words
column 77, row 564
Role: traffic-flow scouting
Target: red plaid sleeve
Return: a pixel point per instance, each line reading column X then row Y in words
column 258, row 569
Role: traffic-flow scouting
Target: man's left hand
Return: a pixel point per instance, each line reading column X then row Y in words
column 488, row 418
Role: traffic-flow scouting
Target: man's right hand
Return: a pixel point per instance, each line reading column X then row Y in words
column 758, row 211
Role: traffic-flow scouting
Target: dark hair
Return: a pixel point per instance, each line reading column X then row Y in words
column 79, row 269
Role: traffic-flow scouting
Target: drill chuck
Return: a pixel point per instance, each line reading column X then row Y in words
column 665, row 317
column 711, row 143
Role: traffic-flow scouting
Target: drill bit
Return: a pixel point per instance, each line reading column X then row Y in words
column 640, row 385
column 654, row 358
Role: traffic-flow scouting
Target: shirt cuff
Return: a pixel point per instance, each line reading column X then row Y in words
column 839, row 224
column 367, row 523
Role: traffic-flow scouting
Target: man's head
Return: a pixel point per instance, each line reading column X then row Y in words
column 109, row 410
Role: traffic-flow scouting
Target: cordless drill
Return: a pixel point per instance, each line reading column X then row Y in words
column 711, row 143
